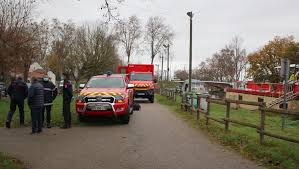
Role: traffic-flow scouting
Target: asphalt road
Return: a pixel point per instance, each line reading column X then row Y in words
column 154, row 139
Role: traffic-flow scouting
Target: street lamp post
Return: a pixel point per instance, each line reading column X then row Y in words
column 162, row 58
column 167, row 46
column 190, row 14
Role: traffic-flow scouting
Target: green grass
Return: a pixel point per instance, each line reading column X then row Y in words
column 273, row 154
column 57, row 118
column 7, row 162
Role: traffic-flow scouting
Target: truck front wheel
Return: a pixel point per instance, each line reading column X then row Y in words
column 81, row 118
column 152, row 99
column 125, row 119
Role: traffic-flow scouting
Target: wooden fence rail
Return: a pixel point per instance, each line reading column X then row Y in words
column 187, row 105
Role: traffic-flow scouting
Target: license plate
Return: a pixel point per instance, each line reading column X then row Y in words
column 99, row 107
column 140, row 94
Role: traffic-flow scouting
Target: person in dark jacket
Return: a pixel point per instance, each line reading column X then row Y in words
column 18, row 92
column 67, row 93
column 50, row 93
column 36, row 104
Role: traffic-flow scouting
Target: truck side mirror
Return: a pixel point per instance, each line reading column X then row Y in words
column 130, row 86
column 81, row 86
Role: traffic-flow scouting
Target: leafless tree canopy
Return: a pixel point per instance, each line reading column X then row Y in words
column 156, row 35
column 110, row 9
column 225, row 65
column 128, row 33
column 82, row 51
column 239, row 56
column 21, row 39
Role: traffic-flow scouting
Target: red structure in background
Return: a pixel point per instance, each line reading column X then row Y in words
column 265, row 89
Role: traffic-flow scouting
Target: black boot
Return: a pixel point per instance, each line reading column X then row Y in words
column 65, row 126
column 49, row 125
column 7, row 124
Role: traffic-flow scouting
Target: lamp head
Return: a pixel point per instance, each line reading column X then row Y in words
column 190, row 14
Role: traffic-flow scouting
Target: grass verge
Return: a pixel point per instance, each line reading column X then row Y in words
column 57, row 118
column 7, row 162
column 274, row 153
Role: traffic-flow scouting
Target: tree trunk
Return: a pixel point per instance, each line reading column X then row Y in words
column 25, row 72
column 152, row 54
column 128, row 59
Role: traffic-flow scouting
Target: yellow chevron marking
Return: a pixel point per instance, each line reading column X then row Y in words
column 104, row 93
column 93, row 94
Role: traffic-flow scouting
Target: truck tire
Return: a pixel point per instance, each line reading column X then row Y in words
column 152, row 99
column 125, row 119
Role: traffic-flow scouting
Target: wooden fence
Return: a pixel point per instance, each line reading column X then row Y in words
column 187, row 105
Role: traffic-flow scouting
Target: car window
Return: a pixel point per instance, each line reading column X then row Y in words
column 142, row 76
column 106, row 82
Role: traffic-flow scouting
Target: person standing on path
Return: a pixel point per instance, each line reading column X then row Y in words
column 67, row 99
column 17, row 92
column 36, row 104
column 50, row 93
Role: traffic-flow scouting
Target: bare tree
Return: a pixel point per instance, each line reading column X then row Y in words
column 239, row 56
column 156, row 35
column 127, row 33
column 82, row 51
column 221, row 65
column 20, row 36
column 181, row 74
column 110, row 8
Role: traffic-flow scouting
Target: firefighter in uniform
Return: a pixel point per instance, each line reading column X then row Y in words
column 18, row 91
column 67, row 98
column 50, row 93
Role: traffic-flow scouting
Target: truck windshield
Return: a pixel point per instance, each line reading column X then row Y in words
column 106, row 82
column 142, row 76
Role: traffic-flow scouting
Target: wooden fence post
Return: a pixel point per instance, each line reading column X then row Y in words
column 262, row 122
column 198, row 108
column 208, row 111
column 227, row 115
column 191, row 105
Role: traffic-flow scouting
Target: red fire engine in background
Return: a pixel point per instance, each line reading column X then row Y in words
column 142, row 76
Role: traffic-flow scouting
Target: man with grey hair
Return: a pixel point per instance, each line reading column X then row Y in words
column 36, row 104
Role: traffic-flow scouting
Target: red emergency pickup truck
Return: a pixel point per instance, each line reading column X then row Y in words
column 106, row 95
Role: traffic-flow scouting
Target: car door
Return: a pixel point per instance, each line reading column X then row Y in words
column 130, row 92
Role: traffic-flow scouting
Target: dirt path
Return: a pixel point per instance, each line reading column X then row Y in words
column 155, row 139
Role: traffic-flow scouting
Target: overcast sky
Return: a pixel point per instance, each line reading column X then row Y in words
column 214, row 24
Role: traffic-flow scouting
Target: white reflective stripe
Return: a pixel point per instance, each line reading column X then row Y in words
column 48, row 89
column 48, row 104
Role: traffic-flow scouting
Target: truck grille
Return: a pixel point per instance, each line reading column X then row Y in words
column 108, row 99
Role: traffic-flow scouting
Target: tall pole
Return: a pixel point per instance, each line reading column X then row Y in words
column 285, row 66
column 162, row 57
column 168, row 62
column 190, row 14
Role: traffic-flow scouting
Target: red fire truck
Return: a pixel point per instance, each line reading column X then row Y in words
column 142, row 76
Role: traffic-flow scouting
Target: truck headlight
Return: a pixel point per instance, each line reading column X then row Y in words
column 81, row 98
column 120, row 99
